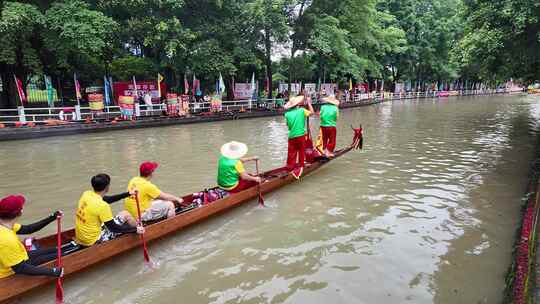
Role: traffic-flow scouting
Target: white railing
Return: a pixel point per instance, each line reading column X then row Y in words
column 78, row 113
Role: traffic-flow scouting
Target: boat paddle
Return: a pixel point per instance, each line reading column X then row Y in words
column 261, row 199
column 59, row 288
column 145, row 249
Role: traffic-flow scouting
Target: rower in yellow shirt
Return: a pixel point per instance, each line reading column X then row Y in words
column 154, row 203
column 94, row 211
column 14, row 258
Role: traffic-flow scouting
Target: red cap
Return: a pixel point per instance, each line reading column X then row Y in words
column 147, row 168
column 11, row 205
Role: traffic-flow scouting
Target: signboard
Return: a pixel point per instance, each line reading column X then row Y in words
column 242, row 91
column 328, row 88
column 399, row 88
column 295, row 88
column 126, row 88
column 310, row 88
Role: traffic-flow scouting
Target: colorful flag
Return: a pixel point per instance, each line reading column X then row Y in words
column 194, row 85
column 159, row 80
column 221, row 85
column 350, row 84
column 50, row 93
column 106, row 90
column 186, row 85
column 20, row 90
column 135, row 91
column 253, row 88
column 77, row 89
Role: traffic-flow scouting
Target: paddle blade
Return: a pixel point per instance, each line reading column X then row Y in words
column 59, row 292
column 261, row 199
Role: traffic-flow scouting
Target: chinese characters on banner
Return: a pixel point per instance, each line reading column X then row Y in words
column 126, row 88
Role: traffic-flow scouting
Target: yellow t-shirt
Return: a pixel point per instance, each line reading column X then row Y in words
column 147, row 193
column 12, row 251
column 92, row 212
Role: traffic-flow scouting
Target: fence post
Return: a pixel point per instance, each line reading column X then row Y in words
column 137, row 109
column 78, row 112
column 22, row 117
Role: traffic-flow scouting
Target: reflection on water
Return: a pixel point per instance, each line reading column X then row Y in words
column 425, row 214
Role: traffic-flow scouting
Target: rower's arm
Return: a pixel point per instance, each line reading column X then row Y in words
column 109, row 199
column 28, row 269
column 115, row 228
column 310, row 108
column 245, row 176
column 169, row 197
column 32, row 228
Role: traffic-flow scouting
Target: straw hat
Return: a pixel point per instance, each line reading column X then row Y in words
column 294, row 101
column 234, row 150
column 331, row 99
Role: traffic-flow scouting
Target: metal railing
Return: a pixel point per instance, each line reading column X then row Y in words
column 80, row 113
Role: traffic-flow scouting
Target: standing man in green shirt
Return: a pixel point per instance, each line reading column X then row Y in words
column 329, row 114
column 295, row 116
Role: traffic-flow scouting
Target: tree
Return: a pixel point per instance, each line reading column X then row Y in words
column 20, row 28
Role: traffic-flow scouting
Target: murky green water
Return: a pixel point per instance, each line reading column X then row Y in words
column 425, row 214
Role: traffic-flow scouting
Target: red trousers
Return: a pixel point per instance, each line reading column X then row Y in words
column 329, row 138
column 242, row 185
column 296, row 153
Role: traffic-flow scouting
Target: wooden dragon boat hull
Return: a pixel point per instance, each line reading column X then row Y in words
column 14, row 286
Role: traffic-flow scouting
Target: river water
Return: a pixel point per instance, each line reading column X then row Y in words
column 425, row 214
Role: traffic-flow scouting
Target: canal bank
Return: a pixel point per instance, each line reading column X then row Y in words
column 32, row 130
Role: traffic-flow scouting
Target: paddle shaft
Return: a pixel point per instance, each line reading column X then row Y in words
column 261, row 199
column 59, row 287
column 145, row 250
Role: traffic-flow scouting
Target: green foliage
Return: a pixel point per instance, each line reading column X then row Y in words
column 301, row 40
column 125, row 68
column 501, row 40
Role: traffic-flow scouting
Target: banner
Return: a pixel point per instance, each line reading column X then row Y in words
column 242, row 91
column 328, row 88
column 77, row 89
column 127, row 88
column 295, row 88
column 50, row 93
column 159, row 80
column 22, row 96
column 310, row 88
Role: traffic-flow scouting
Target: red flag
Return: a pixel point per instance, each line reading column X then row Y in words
column 186, row 85
column 22, row 96
column 77, row 88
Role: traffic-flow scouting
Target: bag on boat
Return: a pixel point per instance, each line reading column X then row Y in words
column 208, row 196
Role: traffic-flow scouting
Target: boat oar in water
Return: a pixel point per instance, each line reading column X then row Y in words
column 140, row 223
column 261, row 199
column 59, row 287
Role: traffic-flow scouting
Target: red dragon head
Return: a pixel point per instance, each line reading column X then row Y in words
column 358, row 140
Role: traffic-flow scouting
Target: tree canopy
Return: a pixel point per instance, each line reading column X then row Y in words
column 302, row 40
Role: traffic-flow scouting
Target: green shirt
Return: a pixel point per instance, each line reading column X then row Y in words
column 229, row 171
column 329, row 115
column 296, row 121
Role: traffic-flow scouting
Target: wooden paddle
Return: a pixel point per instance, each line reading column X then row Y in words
column 261, row 199
column 59, row 288
column 145, row 249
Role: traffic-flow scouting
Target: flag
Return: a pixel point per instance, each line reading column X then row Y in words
column 221, row 85
column 50, row 93
column 194, row 85
column 233, row 87
column 253, row 87
column 111, row 86
column 106, row 90
column 186, row 85
column 159, row 80
column 135, row 91
column 77, row 89
column 350, row 84
column 20, row 90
